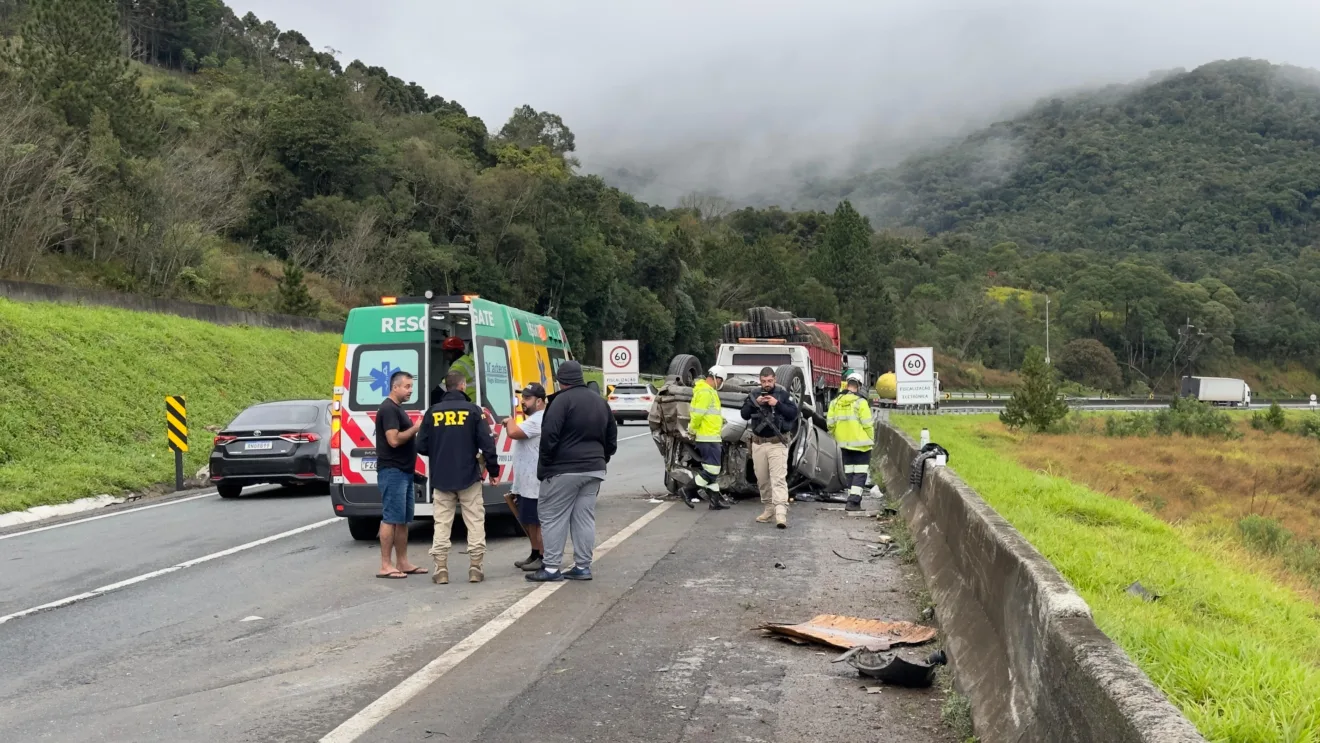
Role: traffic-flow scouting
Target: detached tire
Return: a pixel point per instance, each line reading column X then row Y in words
column 685, row 368
column 791, row 378
column 229, row 490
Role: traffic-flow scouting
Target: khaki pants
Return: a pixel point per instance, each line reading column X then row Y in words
column 770, row 462
column 474, row 515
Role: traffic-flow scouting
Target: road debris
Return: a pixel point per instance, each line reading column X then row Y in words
column 892, row 668
column 253, row 618
column 872, row 689
column 852, row 632
column 781, row 566
column 1138, row 590
column 849, row 559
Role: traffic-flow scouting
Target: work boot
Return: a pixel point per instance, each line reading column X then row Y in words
column 440, row 575
column 854, row 503
column 781, row 517
column 474, row 570
column 767, row 514
column 716, row 500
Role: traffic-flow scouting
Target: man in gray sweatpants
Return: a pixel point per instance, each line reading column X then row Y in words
column 578, row 437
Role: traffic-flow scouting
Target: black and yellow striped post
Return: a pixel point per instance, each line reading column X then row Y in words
column 176, row 433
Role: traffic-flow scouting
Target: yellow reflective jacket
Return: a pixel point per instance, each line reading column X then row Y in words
column 468, row 367
column 707, row 419
column 850, row 422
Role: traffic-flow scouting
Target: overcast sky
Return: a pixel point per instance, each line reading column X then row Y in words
column 737, row 96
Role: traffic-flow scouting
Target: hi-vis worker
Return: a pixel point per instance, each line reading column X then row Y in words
column 461, row 361
column 705, row 425
column 851, row 426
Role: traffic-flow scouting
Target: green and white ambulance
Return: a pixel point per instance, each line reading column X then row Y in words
column 507, row 347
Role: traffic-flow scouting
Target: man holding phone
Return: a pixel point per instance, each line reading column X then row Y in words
column 772, row 417
column 526, row 435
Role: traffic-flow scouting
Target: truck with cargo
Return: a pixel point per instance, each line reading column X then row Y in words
column 818, row 338
column 1217, row 390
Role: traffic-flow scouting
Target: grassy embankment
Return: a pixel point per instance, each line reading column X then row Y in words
column 82, row 393
column 1236, row 650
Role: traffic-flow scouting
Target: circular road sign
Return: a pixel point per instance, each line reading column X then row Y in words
column 914, row 364
column 620, row 357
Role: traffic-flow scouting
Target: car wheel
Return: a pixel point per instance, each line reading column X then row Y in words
column 229, row 490
column 684, row 369
column 618, row 421
column 364, row 529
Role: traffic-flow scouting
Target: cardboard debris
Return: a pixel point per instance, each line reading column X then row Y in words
column 851, row 632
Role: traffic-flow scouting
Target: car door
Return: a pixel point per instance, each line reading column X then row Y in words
column 815, row 458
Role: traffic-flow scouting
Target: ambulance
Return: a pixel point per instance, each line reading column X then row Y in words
column 505, row 346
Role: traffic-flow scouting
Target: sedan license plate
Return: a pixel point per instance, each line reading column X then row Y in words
column 258, row 445
column 368, row 465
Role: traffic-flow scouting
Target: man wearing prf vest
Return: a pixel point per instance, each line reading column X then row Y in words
column 850, row 424
column 458, row 444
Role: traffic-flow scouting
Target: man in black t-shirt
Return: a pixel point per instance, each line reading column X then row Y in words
column 396, row 460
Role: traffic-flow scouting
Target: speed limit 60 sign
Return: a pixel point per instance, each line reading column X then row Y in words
column 914, row 374
column 914, row 364
column 619, row 360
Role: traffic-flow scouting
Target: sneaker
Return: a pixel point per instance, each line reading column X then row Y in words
column 541, row 576
column 533, row 566
column 533, row 557
column 578, row 574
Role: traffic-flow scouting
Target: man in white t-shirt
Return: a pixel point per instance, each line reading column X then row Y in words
column 526, row 435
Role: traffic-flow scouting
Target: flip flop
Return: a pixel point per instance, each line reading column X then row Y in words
column 414, row 571
column 396, row 575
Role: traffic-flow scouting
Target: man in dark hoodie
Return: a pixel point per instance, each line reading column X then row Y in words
column 458, row 445
column 578, row 438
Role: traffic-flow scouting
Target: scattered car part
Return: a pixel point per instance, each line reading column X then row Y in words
column 851, row 632
column 892, row 667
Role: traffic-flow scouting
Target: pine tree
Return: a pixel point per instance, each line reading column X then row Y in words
column 1036, row 403
column 294, row 297
column 845, row 250
column 71, row 55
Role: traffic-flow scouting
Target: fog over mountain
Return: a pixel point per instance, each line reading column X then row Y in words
column 750, row 99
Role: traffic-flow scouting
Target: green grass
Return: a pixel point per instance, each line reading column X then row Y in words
column 82, row 393
column 1237, row 653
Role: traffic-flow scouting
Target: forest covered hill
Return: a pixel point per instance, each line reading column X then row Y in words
column 170, row 147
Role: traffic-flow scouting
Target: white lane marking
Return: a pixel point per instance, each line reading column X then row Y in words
column 164, row 571
column 106, row 515
column 357, row 725
column 638, row 436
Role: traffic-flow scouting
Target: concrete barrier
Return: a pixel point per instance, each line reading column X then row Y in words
column 1021, row 642
column 22, row 291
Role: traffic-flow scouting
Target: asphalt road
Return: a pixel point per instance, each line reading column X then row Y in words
column 258, row 619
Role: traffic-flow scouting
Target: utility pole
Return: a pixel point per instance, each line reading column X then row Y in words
column 1047, row 328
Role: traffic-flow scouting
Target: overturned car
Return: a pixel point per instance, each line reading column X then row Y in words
column 815, row 464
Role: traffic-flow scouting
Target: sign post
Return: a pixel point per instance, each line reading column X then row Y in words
column 619, row 361
column 914, row 374
column 176, row 433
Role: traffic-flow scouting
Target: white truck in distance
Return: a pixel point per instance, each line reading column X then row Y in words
column 1218, row 390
